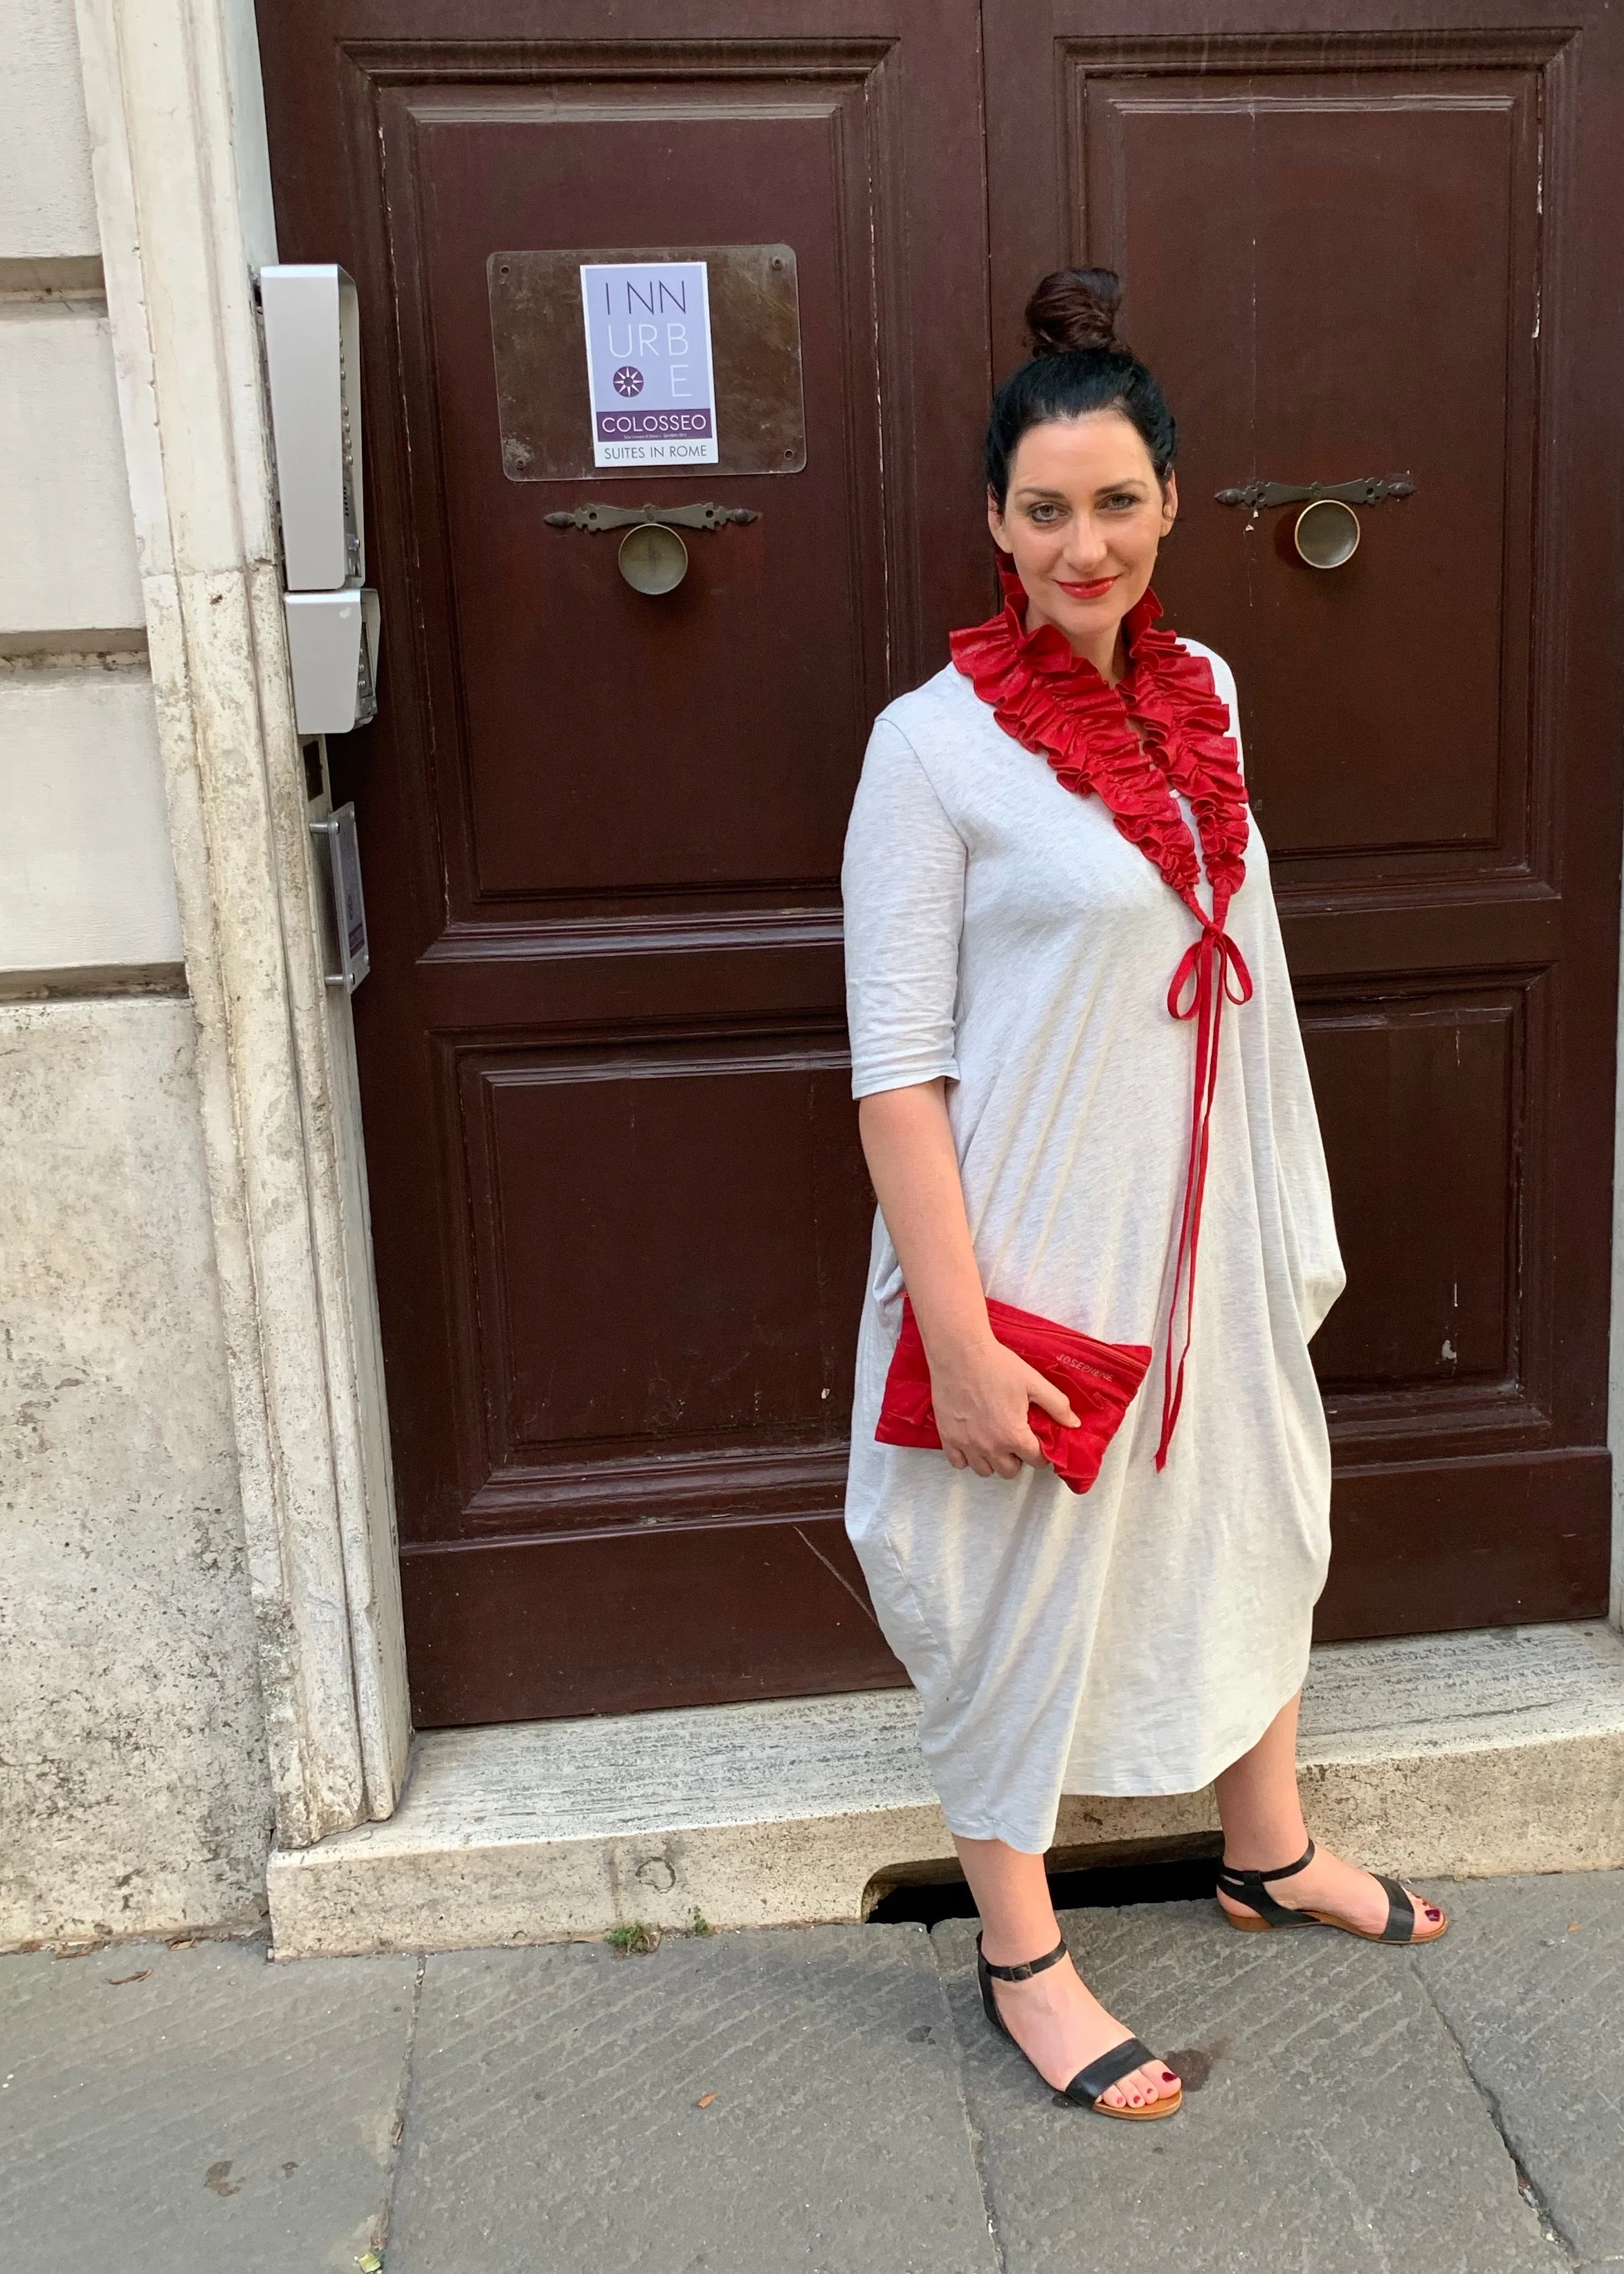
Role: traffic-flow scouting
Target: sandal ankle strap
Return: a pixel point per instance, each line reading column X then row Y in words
column 1237, row 1883
column 1024, row 1973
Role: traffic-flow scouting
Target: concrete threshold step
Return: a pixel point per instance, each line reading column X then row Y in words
column 1464, row 1754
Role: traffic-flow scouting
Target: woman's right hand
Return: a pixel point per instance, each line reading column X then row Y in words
column 981, row 1391
column 981, row 1396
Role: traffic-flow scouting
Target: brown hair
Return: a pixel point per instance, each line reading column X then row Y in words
column 1073, row 309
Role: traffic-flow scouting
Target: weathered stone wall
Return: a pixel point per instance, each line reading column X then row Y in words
column 134, row 1796
column 131, row 1787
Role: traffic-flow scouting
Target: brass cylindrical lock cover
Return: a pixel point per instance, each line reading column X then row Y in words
column 653, row 559
column 1326, row 533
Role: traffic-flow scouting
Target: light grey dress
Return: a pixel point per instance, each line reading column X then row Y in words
column 1000, row 932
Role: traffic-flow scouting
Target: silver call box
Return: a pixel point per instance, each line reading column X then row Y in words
column 312, row 359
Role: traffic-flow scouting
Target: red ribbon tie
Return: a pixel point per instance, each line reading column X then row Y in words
column 1211, row 973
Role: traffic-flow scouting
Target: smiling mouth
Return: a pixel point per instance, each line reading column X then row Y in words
column 1094, row 591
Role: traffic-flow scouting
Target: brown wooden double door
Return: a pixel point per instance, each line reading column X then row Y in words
column 619, row 1214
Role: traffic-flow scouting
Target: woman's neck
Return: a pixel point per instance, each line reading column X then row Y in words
column 1109, row 655
column 1108, row 652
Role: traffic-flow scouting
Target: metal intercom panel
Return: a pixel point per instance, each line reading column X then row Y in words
column 312, row 360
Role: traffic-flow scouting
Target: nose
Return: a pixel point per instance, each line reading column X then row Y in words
column 1086, row 550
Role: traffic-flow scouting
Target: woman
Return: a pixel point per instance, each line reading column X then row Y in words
column 1080, row 1071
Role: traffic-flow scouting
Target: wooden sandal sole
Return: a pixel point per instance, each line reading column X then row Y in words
column 1151, row 2115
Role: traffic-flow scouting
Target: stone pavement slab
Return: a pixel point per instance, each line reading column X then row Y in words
column 555, row 2121
column 1530, row 1979
column 1332, row 2126
column 169, row 2112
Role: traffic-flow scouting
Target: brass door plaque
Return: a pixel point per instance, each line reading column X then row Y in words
column 544, row 405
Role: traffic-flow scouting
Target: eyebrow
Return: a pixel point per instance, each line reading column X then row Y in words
column 1103, row 489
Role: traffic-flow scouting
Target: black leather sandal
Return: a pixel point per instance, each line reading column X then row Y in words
column 1253, row 1887
column 1090, row 2085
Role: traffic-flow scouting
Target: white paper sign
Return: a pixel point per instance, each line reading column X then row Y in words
column 649, row 365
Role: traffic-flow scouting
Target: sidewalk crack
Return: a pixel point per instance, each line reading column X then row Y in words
column 972, row 2132
column 1526, row 2188
column 397, row 2121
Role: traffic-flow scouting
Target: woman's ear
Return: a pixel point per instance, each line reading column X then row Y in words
column 994, row 519
column 1169, row 503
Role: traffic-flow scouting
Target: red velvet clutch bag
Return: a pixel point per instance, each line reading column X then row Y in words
column 1100, row 1380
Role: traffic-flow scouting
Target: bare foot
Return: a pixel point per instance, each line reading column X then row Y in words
column 1062, row 2027
column 1327, row 1884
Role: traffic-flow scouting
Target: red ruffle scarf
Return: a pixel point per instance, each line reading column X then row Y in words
column 1162, row 728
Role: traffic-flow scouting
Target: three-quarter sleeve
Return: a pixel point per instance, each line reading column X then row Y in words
column 903, row 882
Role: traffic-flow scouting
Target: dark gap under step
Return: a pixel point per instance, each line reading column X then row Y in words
column 1177, row 1871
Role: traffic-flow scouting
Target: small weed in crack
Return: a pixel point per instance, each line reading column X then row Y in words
column 633, row 1939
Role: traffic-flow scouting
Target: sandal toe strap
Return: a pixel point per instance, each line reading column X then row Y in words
column 1092, row 2083
column 1401, row 1926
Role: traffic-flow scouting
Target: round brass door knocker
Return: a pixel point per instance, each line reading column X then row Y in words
column 653, row 559
column 1326, row 533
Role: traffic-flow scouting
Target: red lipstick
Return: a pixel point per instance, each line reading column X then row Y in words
column 1095, row 590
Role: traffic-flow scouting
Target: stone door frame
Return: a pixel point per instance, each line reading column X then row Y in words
column 183, row 203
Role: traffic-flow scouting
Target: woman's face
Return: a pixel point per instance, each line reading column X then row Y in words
column 1083, row 517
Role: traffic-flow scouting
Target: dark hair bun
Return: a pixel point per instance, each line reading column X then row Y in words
column 1074, row 308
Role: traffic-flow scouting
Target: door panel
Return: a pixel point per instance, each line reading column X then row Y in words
column 653, row 1289
column 1300, row 240
column 1437, row 1218
column 702, row 745
column 619, row 1211
column 1349, row 255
